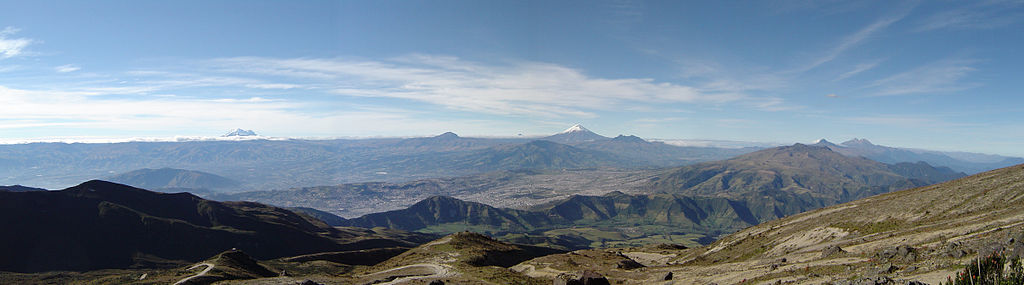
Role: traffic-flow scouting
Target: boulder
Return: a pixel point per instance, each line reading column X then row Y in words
column 832, row 250
column 587, row 277
column 628, row 264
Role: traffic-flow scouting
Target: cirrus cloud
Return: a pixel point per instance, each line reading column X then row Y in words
column 518, row 88
column 11, row 47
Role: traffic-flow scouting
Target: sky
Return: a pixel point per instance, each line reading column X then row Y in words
column 941, row 75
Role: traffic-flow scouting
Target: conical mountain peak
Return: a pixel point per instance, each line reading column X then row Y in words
column 575, row 134
column 825, row 143
column 576, row 128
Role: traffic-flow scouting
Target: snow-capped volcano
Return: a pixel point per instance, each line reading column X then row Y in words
column 240, row 133
column 575, row 128
column 575, row 134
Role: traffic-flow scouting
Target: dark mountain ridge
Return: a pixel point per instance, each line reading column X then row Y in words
column 20, row 188
column 100, row 224
column 440, row 210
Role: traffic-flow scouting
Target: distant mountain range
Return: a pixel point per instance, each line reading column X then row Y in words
column 100, row 224
column 702, row 201
column 264, row 164
column 283, row 164
column 960, row 161
column 174, row 180
column 19, row 188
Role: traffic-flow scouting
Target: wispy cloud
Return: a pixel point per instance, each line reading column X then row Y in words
column 247, row 100
column 858, row 69
column 937, row 77
column 855, row 39
column 75, row 114
column 975, row 15
column 516, row 88
column 251, row 91
column 67, row 68
column 11, row 47
column 273, row 86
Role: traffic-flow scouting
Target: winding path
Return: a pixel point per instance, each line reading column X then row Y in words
column 209, row 266
column 440, row 271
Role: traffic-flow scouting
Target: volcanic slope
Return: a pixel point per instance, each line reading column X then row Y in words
column 923, row 234
column 100, row 224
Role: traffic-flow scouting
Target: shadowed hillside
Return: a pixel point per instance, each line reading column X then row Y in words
column 100, row 224
column 457, row 214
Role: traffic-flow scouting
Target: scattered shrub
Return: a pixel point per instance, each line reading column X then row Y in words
column 990, row 271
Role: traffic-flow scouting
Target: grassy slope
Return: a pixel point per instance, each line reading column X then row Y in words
column 971, row 215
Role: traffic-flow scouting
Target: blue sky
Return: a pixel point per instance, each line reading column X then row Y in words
column 941, row 75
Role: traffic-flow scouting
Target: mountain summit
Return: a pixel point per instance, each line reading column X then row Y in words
column 857, row 142
column 575, row 134
column 240, row 133
column 447, row 135
column 826, row 143
column 575, row 128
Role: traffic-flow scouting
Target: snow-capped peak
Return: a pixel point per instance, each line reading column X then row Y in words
column 575, row 128
column 240, row 133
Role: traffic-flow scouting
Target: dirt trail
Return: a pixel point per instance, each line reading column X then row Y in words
column 440, row 271
column 209, row 266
